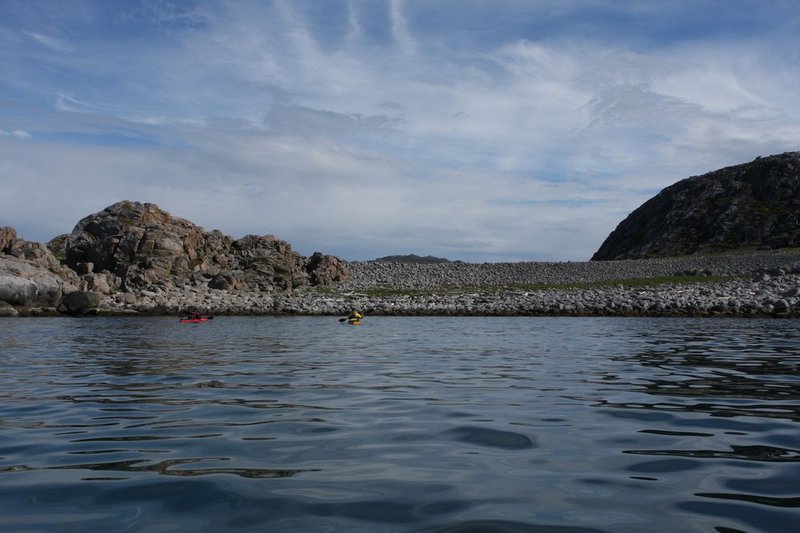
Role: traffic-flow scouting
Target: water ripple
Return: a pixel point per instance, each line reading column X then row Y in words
column 406, row 424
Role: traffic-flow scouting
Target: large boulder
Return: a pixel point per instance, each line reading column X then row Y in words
column 30, row 275
column 23, row 284
column 326, row 270
column 81, row 302
column 751, row 206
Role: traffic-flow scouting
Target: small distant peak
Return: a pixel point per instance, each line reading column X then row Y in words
column 410, row 258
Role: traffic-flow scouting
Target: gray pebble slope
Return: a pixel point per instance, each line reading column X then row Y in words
column 758, row 284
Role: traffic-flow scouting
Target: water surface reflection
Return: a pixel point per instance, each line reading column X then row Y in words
column 429, row 424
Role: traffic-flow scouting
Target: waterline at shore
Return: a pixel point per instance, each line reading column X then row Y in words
column 758, row 284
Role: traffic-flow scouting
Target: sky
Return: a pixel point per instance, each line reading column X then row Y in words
column 476, row 130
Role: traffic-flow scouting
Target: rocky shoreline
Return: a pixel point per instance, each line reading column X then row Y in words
column 136, row 259
column 757, row 284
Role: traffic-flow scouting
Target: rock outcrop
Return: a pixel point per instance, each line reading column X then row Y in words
column 143, row 246
column 327, row 270
column 751, row 206
column 7, row 237
column 23, row 284
column 30, row 276
column 131, row 251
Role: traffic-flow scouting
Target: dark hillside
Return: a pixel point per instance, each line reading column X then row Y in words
column 751, row 206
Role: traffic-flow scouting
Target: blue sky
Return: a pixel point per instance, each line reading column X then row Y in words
column 503, row 130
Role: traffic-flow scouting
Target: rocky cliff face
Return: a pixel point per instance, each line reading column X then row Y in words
column 751, row 206
column 131, row 247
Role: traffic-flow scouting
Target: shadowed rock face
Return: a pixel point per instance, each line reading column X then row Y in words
column 751, row 206
column 144, row 246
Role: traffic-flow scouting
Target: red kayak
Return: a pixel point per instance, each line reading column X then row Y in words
column 196, row 320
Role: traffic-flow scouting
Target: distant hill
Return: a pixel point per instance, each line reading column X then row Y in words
column 410, row 258
column 755, row 205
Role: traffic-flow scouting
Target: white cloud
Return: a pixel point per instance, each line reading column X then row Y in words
column 20, row 134
column 403, row 38
column 366, row 135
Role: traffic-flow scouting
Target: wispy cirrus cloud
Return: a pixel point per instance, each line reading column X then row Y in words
column 53, row 43
column 510, row 131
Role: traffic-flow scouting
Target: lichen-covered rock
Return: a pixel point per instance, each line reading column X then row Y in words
column 139, row 243
column 58, row 245
column 104, row 282
column 38, row 254
column 81, row 302
column 326, row 270
column 750, row 206
column 143, row 246
column 267, row 262
column 7, row 236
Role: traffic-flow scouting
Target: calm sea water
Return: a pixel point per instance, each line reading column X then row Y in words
column 401, row 424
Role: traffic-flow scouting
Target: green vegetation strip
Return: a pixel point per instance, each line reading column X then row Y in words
column 387, row 292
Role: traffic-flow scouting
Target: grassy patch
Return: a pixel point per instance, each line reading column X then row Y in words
column 631, row 283
column 389, row 292
column 744, row 250
column 644, row 282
